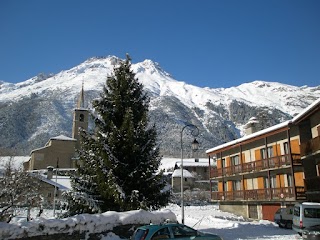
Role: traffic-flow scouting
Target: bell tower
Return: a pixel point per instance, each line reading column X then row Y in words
column 80, row 118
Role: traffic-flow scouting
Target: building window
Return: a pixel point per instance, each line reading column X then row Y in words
column 318, row 169
column 223, row 162
column 235, row 160
column 263, row 153
column 225, row 186
column 266, row 182
column 290, row 180
column 236, row 185
column 269, row 153
column 81, row 118
column 273, row 181
column 286, row 148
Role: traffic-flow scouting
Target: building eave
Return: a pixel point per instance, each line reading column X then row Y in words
column 252, row 137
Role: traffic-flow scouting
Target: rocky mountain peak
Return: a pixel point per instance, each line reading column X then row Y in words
column 39, row 108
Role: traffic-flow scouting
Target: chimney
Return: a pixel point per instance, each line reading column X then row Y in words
column 49, row 172
column 252, row 126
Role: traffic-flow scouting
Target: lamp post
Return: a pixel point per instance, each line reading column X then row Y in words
column 195, row 145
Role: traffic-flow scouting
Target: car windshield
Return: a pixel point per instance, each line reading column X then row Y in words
column 139, row 234
column 278, row 211
column 183, row 231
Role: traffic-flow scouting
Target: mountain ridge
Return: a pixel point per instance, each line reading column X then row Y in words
column 220, row 113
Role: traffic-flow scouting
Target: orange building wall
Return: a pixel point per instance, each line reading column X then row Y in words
column 278, row 150
column 275, row 150
column 219, row 163
column 295, row 148
column 245, row 184
column 278, row 181
column 260, row 183
column 281, row 180
column 257, row 154
column 228, row 161
column 298, row 177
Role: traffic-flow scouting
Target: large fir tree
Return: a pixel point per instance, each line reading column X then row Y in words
column 121, row 157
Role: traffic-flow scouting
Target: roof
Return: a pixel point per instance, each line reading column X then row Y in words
column 281, row 126
column 63, row 138
column 61, row 182
column 186, row 173
column 203, row 162
column 309, row 110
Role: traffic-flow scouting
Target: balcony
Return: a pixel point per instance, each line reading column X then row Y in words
column 256, row 166
column 311, row 146
column 280, row 194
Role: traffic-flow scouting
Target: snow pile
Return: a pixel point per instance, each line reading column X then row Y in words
column 206, row 218
column 92, row 223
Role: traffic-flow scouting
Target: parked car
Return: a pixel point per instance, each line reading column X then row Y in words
column 283, row 217
column 170, row 231
column 312, row 233
column 305, row 215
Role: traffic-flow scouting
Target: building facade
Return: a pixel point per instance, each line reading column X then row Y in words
column 309, row 128
column 265, row 170
column 60, row 151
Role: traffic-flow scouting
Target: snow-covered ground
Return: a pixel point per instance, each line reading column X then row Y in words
column 229, row 226
column 204, row 218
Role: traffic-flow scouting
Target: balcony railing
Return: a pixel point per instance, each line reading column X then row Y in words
column 258, row 165
column 310, row 147
column 256, row 194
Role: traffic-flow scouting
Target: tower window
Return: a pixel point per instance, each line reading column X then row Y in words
column 81, row 118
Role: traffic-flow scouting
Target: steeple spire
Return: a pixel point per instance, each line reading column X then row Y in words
column 80, row 103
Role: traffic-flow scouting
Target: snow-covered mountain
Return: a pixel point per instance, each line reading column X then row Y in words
column 41, row 107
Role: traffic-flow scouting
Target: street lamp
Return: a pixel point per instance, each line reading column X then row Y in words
column 195, row 144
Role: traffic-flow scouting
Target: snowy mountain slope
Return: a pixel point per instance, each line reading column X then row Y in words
column 41, row 107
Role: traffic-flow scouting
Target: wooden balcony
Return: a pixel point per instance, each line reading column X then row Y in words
column 258, row 165
column 279, row 194
column 312, row 146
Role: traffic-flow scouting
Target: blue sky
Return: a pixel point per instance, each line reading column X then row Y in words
column 207, row 43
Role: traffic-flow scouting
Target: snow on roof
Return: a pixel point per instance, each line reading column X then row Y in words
column 203, row 162
column 310, row 107
column 63, row 138
column 169, row 163
column 63, row 182
column 186, row 173
column 253, row 135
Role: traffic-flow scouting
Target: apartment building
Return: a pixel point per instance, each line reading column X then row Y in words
column 309, row 128
column 266, row 169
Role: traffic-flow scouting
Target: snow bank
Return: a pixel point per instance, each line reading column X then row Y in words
column 92, row 223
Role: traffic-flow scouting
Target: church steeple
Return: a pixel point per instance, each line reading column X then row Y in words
column 80, row 117
column 80, row 103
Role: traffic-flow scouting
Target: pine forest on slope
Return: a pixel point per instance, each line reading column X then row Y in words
column 33, row 111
